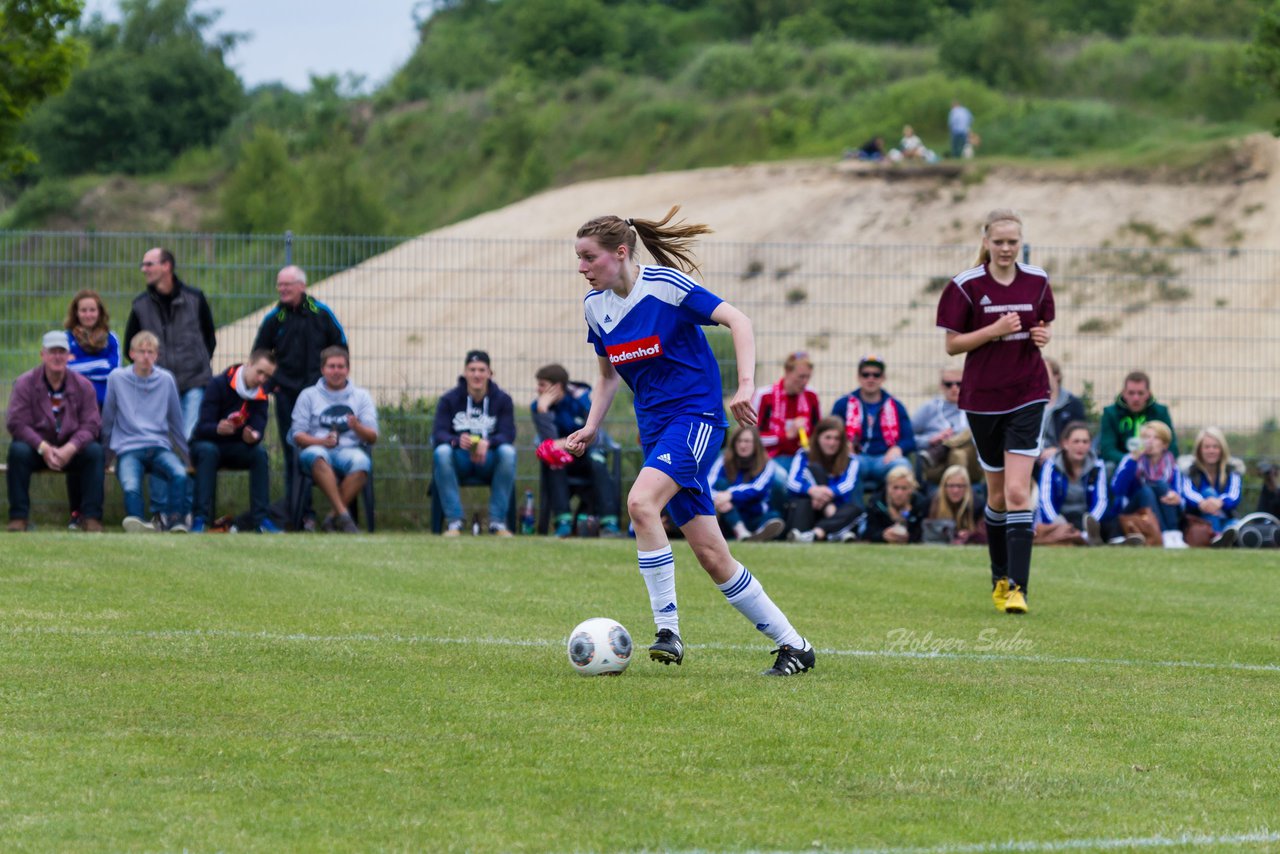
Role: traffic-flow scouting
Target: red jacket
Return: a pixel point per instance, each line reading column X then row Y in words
column 30, row 417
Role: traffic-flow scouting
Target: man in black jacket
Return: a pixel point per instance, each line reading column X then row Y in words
column 233, row 419
column 474, row 435
column 179, row 316
column 296, row 331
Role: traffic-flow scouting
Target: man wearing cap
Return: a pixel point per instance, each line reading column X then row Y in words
column 474, row 435
column 297, row 330
column 54, row 421
column 877, row 424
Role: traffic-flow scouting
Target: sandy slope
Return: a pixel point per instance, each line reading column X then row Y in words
column 813, row 252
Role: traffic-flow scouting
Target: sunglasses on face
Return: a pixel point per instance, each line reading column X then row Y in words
column 871, row 375
column 951, row 383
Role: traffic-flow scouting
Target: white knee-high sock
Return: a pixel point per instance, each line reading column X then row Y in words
column 659, row 571
column 746, row 594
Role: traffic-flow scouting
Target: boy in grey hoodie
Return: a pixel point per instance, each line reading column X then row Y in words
column 334, row 422
column 141, row 423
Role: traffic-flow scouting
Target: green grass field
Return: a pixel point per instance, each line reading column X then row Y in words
column 243, row 693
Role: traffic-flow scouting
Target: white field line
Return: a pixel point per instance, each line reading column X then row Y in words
column 430, row 640
column 1187, row 840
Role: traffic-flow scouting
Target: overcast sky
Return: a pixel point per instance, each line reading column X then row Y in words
column 292, row 39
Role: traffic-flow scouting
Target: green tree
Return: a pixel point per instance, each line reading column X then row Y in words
column 1264, row 53
column 1230, row 19
column 1003, row 47
column 340, row 199
column 36, row 60
column 156, row 84
column 262, row 193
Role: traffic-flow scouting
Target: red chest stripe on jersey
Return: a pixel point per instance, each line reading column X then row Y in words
column 635, row 351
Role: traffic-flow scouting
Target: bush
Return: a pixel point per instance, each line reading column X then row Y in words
column 51, row 197
column 1230, row 19
column 1003, row 47
column 262, row 193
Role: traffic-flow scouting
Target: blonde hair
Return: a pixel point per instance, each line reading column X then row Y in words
column 995, row 216
column 893, row 476
column 943, row 508
column 1223, row 463
column 1160, row 429
column 142, row 339
column 670, row 245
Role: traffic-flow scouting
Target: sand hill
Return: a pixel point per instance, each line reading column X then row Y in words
column 844, row 258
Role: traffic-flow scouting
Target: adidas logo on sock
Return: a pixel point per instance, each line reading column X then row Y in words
column 760, row 627
column 671, row 607
column 666, row 458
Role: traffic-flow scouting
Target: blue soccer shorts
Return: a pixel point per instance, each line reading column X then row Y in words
column 685, row 452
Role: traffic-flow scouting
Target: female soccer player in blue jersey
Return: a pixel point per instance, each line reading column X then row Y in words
column 998, row 314
column 645, row 323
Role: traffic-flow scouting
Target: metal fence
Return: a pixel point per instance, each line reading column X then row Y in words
column 1202, row 322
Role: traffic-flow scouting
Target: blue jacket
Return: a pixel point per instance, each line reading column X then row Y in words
column 1053, row 489
column 1196, row 487
column 873, row 443
column 94, row 366
column 749, row 497
column 800, row 479
column 1125, row 481
column 566, row 415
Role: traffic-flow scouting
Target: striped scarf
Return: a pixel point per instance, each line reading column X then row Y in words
column 778, row 414
column 890, row 429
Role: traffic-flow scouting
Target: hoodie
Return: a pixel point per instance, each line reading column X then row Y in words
column 493, row 418
column 1119, row 424
column 320, row 410
column 142, row 412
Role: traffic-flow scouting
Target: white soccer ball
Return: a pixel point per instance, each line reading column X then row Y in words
column 600, row 647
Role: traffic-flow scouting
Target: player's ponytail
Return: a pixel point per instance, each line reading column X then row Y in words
column 997, row 215
column 668, row 244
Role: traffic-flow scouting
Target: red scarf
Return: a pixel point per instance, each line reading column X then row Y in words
column 889, row 427
column 233, row 377
column 778, row 413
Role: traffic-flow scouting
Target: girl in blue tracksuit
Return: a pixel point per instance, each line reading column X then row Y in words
column 824, row 503
column 741, row 479
column 1074, row 489
column 1148, row 476
column 1211, row 483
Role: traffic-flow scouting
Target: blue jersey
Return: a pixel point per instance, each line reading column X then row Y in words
column 95, row 366
column 654, row 340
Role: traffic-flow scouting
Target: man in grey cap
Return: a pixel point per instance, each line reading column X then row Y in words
column 53, row 418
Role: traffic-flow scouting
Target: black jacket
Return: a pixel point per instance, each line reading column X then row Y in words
column 221, row 401
column 297, row 335
column 878, row 518
column 493, row 418
column 184, row 325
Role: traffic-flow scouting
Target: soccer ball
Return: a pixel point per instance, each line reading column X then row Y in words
column 599, row 647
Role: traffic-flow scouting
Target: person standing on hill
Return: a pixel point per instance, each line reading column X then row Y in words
column 998, row 314
column 296, row 332
column 959, row 123
column 645, row 324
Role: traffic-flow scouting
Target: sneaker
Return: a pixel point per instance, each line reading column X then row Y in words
column 499, row 531
column 1134, row 540
column 564, row 528
column 17, row 525
column 1016, row 603
column 795, row 535
column 1092, row 530
column 791, row 661
column 609, row 527
column 136, row 525
column 309, row 524
column 668, row 648
column 346, row 524
column 770, row 530
column 74, row 523
column 1000, row 593
column 844, row 537
column 267, row 527
column 329, row 524
column 176, row 524
column 197, row 525
column 91, row 526
column 454, row 528
column 1224, row 540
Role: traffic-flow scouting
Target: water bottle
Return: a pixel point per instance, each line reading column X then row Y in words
column 527, row 518
column 475, row 524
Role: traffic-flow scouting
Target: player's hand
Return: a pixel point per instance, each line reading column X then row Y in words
column 741, row 406
column 578, row 441
column 1040, row 334
column 1007, row 324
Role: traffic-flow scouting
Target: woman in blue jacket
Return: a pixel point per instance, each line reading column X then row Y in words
column 1074, row 489
column 1211, row 484
column 94, row 348
column 824, row 503
column 741, row 479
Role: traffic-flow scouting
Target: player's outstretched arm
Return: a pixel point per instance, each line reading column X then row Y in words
column 578, row 441
column 744, row 350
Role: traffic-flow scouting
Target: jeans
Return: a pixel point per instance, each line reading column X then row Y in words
column 1148, row 495
column 191, row 400
column 160, row 463
column 285, row 402
column 604, row 493
column 84, row 475
column 211, row 456
column 498, row 470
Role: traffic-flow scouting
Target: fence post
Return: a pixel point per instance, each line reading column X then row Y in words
column 288, row 248
column 1026, row 253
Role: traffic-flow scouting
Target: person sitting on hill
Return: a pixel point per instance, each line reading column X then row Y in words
column 741, row 480
column 954, row 516
column 822, row 484
column 1149, row 477
column 896, row 513
column 1211, row 484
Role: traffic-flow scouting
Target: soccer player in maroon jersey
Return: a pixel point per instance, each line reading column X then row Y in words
column 999, row 314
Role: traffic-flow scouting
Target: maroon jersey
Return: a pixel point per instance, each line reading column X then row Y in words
column 1008, row 373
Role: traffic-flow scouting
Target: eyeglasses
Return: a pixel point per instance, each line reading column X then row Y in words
column 951, row 383
column 871, row 375
column 146, row 264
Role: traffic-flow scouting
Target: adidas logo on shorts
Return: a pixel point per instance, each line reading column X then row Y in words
column 666, row 458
